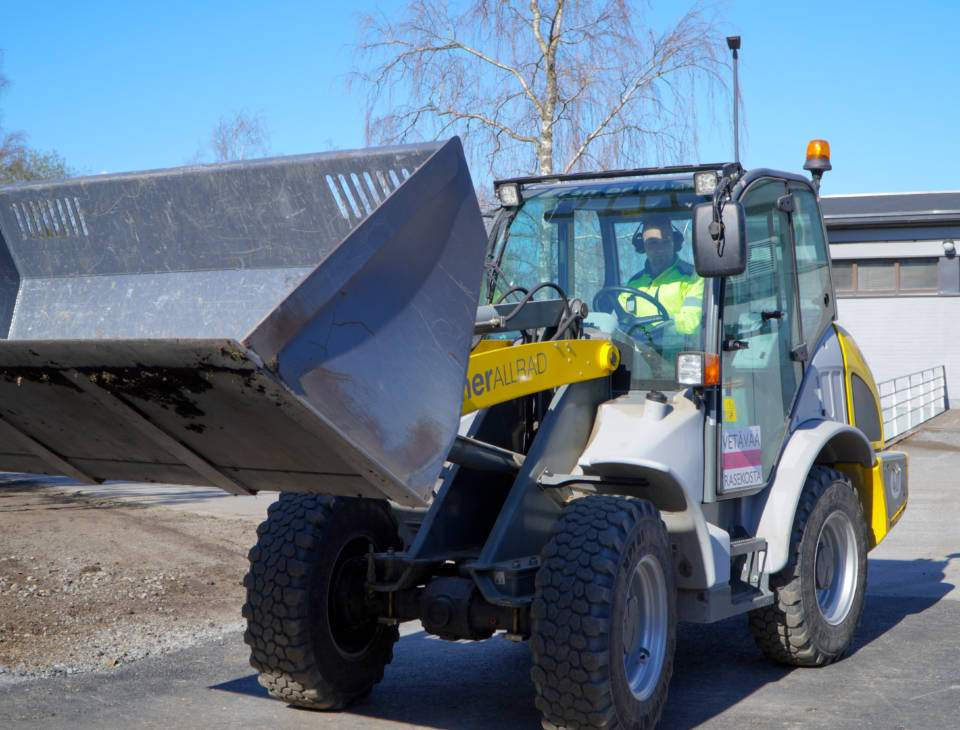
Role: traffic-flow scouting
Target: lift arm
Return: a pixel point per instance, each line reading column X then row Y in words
column 498, row 374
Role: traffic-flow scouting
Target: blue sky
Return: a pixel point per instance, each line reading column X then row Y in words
column 116, row 86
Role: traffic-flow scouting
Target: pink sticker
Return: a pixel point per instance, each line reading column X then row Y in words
column 742, row 457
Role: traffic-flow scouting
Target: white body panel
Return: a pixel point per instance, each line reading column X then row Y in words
column 776, row 521
column 665, row 440
column 663, row 444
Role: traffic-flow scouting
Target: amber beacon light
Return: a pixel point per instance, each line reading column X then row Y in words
column 818, row 160
column 818, row 156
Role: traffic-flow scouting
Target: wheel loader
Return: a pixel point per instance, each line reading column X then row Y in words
column 485, row 433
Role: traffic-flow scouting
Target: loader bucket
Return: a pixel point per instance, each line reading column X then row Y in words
column 299, row 324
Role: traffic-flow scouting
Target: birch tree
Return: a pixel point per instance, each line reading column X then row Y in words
column 19, row 162
column 11, row 143
column 542, row 86
column 239, row 136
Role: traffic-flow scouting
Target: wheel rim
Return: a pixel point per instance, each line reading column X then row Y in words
column 352, row 628
column 645, row 627
column 835, row 568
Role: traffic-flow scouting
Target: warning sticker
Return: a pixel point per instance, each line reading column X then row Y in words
column 742, row 460
column 729, row 410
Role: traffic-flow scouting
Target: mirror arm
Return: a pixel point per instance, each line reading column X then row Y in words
column 730, row 174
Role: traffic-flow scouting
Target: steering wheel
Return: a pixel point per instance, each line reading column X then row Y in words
column 607, row 299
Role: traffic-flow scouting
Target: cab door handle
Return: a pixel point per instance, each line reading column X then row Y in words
column 731, row 344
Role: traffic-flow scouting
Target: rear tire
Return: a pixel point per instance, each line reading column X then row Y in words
column 312, row 637
column 820, row 593
column 603, row 629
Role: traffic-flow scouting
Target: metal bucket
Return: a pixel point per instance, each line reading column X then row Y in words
column 300, row 323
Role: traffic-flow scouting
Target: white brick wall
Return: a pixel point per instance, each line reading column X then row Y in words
column 900, row 335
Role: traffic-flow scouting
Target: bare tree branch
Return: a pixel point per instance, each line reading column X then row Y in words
column 239, row 136
column 538, row 85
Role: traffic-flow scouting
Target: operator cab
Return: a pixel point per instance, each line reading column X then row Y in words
column 765, row 301
column 581, row 236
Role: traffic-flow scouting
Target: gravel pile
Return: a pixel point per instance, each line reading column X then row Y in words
column 90, row 585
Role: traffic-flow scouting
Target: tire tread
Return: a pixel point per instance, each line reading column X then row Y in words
column 279, row 620
column 784, row 630
column 572, row 610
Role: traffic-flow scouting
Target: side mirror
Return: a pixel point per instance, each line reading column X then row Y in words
column 734, row 246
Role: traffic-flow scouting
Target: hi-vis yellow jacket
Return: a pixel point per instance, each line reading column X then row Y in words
column 678, row 289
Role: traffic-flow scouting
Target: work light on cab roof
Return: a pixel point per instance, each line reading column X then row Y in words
column 508, row 194
column 705, row 182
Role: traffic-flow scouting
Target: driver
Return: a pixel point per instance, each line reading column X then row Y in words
column 664, row 277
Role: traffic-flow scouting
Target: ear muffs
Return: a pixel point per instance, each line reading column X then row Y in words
column 677, row 239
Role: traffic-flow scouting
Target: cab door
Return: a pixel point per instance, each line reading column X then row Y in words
column 761, row 356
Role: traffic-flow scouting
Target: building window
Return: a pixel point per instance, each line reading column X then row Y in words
column 919, row 275
column 875, row 275
column 843, row 275
column 887, row 276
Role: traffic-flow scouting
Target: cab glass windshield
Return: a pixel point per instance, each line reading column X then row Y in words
column 623, row 248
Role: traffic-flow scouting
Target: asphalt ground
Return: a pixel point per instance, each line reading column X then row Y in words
column 903, row 670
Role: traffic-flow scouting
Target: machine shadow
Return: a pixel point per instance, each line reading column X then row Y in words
column 248, row 686
column 432, row 683
column 439, row 684
column 897, row 589
column 718, row 665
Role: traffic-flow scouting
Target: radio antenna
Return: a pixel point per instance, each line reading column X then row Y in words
column 733, row 43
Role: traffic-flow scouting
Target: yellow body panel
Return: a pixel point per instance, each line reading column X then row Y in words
column 854, row 363
column 869, row 484
column 498, row 374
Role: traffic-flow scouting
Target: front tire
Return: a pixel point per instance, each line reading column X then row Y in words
column 821, row 591
column 603, row 629
column 312, row 636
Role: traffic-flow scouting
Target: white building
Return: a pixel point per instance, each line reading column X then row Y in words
column 897, row 275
